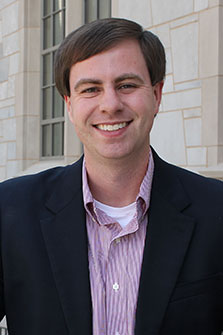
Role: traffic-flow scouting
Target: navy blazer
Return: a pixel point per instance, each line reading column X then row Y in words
column 44, row 275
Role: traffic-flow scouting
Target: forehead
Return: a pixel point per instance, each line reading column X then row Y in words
column 125, row 56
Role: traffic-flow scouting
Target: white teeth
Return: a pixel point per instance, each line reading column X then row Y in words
column 109, row 127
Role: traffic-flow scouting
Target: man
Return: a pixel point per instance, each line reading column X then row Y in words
column 121, row 242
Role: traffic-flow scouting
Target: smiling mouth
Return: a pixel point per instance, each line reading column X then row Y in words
column 112, row 127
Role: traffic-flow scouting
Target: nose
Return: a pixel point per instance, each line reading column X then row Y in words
column 110, row 101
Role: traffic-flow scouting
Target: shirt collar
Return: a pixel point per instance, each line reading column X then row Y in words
column 142, row 199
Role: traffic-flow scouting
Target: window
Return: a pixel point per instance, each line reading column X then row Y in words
column 52, row 105
column 97, row 9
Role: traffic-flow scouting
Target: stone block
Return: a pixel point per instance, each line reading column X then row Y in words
column 182, row 100
column 209, row 43
column 6, row 112
column 167, row 137
column 193, row 132
column 0, row 30
column 171, row 9
column 20, row 88
column 197, row 156
column 13, row 168
column 140, row 12
column 4, row 3
column 212, row 155
column 163, row 32
column 9, row 129
column 32, row 137
column 14, row 64
column 28, row 138
column 11, row 86
column 29, row 13
column 11, row 152
column 3, row 90
column 221, row 40
column 33, row 98
column 30, row 103
column 168, row 61
column 2, row 178
column 210, row 111
column 168, row 84
column 10, row 19
column 220, row 109
column 184, row 20
column 200, row 5
column 1, row 130
column 188, row 85
column 4, row 69
column 189, row 113
column 3, row 155
column 214, row 3
column 185, row 52
column 30, row 56
column 11, row 44
column 7, row 102
column 34, row 50
column 1, row 50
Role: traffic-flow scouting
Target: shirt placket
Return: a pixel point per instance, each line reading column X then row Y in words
column 116, row 286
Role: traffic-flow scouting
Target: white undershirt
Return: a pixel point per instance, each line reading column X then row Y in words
column 122, row 215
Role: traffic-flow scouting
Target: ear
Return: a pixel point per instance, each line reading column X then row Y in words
column 157, row 90
column 69, row 107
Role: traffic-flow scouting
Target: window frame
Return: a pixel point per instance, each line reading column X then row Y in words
column 51, row 121
column 98, row 10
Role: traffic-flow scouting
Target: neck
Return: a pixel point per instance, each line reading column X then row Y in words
column 116, row 182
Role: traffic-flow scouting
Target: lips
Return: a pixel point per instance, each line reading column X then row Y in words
column 112, row 127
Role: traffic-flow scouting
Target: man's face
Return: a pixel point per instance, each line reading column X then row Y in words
column 112, row 102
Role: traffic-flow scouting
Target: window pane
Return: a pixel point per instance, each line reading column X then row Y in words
column 46, row 140
column 58, row 28
column 47, row 33
column 91, row 10
column 47, row 7
column 57, row 104
column 47, row 69
column 104, row 9
column 58, row 139
column 57, row 4
column 47, row 103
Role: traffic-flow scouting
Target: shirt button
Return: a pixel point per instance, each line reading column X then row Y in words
column 117, row 240
column 115, row 286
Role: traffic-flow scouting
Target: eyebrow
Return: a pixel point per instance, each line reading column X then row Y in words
column 125, row 76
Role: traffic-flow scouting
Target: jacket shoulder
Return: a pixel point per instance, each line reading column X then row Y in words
column 39, row 184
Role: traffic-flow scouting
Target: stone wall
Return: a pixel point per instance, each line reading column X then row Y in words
column 9, row 68
column 19, row 85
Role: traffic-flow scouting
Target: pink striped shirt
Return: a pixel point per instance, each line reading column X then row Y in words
column 115, row 258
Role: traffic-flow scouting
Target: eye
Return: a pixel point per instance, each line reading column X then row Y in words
column 127, row 87
column 90, row 90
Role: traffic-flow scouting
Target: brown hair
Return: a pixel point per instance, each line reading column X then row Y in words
column 97, row 36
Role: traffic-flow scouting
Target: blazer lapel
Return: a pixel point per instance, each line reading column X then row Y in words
column 168, row 236
column 64, row 231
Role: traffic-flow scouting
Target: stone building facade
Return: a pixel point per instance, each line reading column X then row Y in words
column 188, row 130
